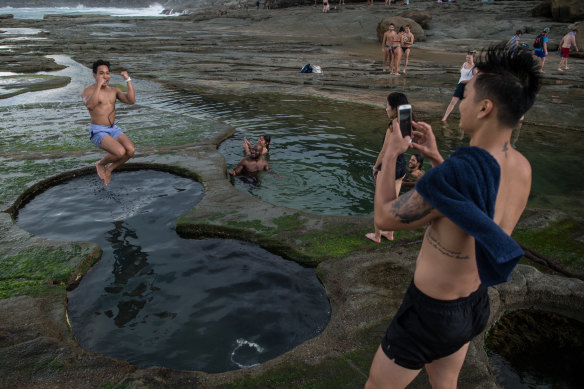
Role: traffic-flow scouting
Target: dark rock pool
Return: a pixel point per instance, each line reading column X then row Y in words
column 536, row 349
column 157, row 299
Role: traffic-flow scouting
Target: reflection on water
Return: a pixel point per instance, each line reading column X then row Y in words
column 156, row 299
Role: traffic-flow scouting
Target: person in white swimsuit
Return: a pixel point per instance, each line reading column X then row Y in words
column 467, row 71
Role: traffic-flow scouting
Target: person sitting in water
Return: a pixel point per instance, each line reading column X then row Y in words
column 414, row 172
column 263, row 140
column 252, row 163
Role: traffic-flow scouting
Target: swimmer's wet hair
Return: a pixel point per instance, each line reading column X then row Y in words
column 99, row 63
column 511, row 80
column 267, row 138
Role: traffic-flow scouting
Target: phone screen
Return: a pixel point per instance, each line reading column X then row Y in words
column 405, row 120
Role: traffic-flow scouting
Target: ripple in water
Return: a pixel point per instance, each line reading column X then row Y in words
column 156, row 299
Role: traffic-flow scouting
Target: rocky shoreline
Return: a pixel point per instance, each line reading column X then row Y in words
column 247, row 52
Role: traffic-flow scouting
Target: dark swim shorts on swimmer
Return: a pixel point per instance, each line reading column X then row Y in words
column 98, row 132
column 425, row 329
column 459, row 91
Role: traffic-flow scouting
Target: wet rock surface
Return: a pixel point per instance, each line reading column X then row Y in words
column 246, row 52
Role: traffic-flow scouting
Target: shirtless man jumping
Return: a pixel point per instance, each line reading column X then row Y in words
column 100, row 100
column 472, row 202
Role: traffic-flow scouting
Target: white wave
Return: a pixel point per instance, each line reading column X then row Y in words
column 241, row 343
column 154, row 9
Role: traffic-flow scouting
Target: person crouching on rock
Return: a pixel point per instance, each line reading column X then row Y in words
column 100, row 100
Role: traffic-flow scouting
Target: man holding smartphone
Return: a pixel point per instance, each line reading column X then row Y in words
column 472, row 202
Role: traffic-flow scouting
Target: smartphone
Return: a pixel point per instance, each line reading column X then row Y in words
column 404, row 115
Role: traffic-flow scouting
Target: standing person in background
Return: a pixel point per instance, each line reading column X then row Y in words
column 566, row 44
column 513, row 43
column 387, row 47
column 394, row 100
column 397, row 45
column 467, row 71
column 540, row 46
column 100, row 100
column 407, row 42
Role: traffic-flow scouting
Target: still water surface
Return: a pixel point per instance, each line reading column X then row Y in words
column 156, row 299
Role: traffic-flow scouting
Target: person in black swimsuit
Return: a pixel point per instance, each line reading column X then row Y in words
column 394, row 100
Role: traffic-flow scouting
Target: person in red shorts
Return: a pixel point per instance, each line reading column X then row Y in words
column 566, row 44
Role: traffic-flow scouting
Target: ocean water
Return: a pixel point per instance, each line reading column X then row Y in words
column 38, row 13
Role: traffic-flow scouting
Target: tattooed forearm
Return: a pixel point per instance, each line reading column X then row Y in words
column 409, row 211
column 443, row 250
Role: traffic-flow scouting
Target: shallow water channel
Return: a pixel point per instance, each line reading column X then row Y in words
column 324, row 150
column 157, row 299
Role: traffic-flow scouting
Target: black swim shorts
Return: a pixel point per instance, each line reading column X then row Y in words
column 425, row 329
column 459, row 91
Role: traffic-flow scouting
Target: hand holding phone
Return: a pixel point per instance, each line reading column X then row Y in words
column 404, row 115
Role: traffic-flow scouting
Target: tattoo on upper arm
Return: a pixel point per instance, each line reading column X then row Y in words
column 443, row 250
column 410, row 207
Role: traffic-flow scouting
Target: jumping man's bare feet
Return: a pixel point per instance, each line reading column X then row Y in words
column 107, row 177
column 100, row 170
